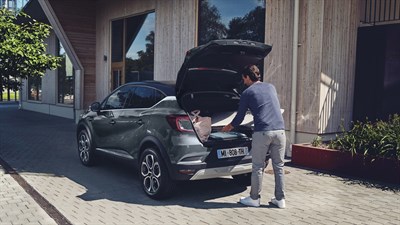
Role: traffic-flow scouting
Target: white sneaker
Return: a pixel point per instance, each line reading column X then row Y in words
column 280, row 203
column 250, row 202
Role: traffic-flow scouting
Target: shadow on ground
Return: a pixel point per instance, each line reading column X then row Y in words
column 351, row 180
column 43, row 145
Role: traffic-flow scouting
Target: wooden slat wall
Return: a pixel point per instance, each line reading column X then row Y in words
column 309, row 64
column 339, row 43
column 379, row 11
column 78, row 20
column 278, row 64
column 175, row 35
column 326, row 64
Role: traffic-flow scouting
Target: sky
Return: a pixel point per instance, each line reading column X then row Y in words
column 140, row 42
column 234, row 8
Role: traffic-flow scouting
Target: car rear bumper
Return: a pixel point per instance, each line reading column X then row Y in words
column 222, row 171
column 198, row 170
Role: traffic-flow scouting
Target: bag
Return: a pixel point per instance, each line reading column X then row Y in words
column 202, row 125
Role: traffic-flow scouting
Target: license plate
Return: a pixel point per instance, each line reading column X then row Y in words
column 232, row 152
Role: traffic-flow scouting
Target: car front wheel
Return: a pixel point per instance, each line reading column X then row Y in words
column 85, row 148
column 154, row 175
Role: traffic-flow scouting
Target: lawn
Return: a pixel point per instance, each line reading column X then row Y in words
column 12, row 96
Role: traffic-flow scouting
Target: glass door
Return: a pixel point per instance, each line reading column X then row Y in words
column 132, row 49
column 117, row 54
column 117, row 75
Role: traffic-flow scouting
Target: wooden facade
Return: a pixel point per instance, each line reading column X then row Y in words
column 175, row 34
column 106, row 12
column 326, row 66
column 325, row 60
column 78, row 21
column 278, row 64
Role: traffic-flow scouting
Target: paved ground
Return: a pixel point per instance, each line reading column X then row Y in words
column 42, row 150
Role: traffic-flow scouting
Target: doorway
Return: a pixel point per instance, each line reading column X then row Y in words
column 132, row 49
column 377, row 81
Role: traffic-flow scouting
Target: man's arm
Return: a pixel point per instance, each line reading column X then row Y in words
column 239, row 116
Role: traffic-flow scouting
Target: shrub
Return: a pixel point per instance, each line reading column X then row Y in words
column 374, row 139
column 316, row 141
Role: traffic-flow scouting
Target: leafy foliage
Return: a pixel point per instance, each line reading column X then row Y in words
column 377, row 138
column 317, row 141
column 212, row 27
column 248, row 27
column 22, row 50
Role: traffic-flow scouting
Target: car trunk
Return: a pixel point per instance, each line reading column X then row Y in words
column 210, row 81
column 217, row 98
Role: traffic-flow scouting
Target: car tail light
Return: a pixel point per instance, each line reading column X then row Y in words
column 180, row 123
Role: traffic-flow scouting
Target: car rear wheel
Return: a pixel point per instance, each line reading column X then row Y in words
column 86, row 148
column 154, row 175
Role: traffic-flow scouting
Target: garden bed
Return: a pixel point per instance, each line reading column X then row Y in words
column 382, row 169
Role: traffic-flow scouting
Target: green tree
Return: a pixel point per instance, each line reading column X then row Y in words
column 22, row 50
column 248, row 27
column 211, row 26
column 145, row 62
column 146, row 59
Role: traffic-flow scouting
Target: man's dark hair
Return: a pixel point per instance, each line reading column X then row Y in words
column 252, row 72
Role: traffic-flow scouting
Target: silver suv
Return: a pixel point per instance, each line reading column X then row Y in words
column 151, row 122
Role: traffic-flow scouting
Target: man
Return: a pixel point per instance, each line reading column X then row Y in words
column 268, row 137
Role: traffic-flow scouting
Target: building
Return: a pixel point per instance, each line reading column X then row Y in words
column 332, row 61
column 14, row 5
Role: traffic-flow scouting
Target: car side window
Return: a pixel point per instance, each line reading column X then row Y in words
column 158, row 96
column 117, row 99
column 144, row 97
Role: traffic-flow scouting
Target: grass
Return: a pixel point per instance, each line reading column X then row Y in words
column 12, row 96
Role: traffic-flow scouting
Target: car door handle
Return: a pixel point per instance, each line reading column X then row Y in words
column 112, row 122
column 140, row 122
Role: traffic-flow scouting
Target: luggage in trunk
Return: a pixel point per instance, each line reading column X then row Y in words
column 226, row 136
column 240, row 135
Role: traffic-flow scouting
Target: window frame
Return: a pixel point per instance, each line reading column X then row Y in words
column 120, row 66
column 39, row 90
column 58, row 48
column 153, row 96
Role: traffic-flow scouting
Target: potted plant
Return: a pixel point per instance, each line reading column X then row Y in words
column 368, row 150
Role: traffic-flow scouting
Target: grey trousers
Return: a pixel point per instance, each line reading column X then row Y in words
column 264, row 142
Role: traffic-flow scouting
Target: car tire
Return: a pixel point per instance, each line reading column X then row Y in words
column 243, row 179
column 154, row 176
column 86, row 147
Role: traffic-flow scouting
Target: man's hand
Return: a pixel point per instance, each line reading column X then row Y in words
column 227, row 128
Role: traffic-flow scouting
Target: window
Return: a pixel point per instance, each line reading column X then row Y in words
column 132, row 49
column 144, row 97
column 66, row 78
column 227, row 19
column 35, row 88
column 117, row 99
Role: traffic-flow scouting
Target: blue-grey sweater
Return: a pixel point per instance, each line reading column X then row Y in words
column 262, row 100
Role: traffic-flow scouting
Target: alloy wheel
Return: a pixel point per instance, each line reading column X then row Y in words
column 84, row 147
column 151, row 173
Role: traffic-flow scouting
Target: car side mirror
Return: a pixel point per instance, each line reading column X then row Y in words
column 95, row 107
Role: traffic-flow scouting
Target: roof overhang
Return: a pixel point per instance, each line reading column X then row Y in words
column 35, row 11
